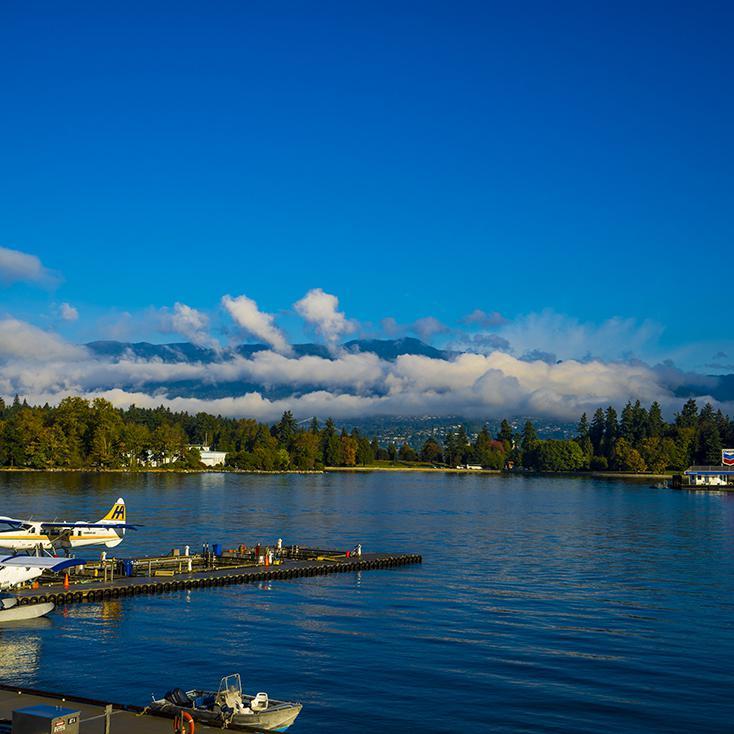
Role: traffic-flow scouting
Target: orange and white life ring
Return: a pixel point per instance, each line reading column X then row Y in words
column 182, row 722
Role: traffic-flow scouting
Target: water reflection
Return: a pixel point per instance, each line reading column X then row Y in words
column 108, row 610
column 20, row 648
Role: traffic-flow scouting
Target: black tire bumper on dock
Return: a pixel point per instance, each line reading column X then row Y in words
column 128, row 586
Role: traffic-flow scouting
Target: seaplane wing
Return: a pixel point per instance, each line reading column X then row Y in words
column 16, row 570
column 42, row 563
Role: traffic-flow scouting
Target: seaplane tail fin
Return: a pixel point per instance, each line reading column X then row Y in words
column 118, row 513
column 116, row 516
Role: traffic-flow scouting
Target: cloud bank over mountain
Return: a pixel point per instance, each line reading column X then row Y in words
column 351, row 384
column 543, row 364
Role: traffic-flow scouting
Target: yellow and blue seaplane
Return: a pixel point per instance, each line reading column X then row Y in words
column 40, row 536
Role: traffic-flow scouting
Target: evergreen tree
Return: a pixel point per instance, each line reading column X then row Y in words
column 688, row 417
column 583, row 439
column 375, row 445
column 640, row 425
column 449, row 450
column 626, row 423
column 596, row 431
column 708, row 444
column 285, row 429
column 655, row 423
column 582, row 430
column 611, row 432
column 529, row 435
column 707, row 414
column 330, row 444
column 722, row 423
column 505, row 434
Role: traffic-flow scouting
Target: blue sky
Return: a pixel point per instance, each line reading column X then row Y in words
column 416, row 159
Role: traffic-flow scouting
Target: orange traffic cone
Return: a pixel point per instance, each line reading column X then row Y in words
column 66, row 580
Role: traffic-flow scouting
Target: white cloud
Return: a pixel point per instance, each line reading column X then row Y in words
column 321, row 311
column 190, row 323
column 22, row 341
column 20, row 267
column 261, row 325
column 68, row 312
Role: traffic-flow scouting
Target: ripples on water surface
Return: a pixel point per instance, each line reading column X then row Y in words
column 543, row 604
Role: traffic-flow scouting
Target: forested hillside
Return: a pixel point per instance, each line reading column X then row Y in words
column 94, row 434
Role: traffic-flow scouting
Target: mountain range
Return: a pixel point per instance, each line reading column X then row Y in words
column 388, row 349
column 720, row 387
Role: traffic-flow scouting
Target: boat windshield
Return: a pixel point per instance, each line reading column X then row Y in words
column 231, row 684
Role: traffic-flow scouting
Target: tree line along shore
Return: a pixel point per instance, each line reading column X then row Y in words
column 82, row 434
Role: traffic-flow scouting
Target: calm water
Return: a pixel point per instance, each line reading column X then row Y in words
column 543, row 604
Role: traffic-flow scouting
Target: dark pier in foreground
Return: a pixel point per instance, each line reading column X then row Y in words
column 93, row 590
column 93, row 713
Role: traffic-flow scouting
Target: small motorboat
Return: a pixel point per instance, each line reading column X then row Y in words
column 228, row 708
column 660, row 485
column 12, row 611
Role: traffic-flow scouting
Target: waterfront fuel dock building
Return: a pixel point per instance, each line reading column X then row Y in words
column 708, row 476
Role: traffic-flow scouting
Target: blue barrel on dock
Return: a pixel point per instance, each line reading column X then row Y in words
column 127, row 568
column 217, row 549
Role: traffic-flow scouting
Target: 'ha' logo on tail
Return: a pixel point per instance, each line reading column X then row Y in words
column 117, row 513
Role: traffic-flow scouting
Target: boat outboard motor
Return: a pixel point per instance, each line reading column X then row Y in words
column 178, row 697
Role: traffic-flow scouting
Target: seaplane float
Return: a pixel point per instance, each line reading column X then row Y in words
column 226, row 708
column 15, row 570
column 34, row 545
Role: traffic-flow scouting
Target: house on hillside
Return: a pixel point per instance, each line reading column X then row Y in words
column 209, row 457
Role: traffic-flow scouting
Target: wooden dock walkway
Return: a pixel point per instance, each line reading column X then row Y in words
column 94, row 590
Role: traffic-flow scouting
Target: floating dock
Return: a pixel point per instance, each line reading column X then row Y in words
column 94, row 590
